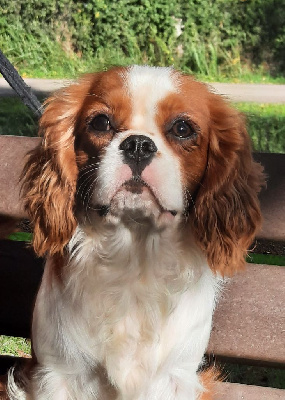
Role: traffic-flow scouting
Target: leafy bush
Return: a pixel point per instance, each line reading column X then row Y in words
column 222, row 33
column 212, row 37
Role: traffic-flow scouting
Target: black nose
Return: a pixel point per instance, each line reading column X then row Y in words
column 138, row 152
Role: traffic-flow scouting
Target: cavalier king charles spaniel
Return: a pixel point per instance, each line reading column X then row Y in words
column 143, row 196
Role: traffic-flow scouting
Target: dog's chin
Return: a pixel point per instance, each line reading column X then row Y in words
column 135, row 205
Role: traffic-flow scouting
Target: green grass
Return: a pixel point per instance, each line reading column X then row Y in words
column 73, row 67
column 16, row 118
column 38, row 56
column 14, row 346
column 266, row 126
column 268, row 259
column 21, row 237
column 48, row 60
column 243, row 77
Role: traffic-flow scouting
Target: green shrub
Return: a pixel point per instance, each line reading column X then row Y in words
column 219, row 37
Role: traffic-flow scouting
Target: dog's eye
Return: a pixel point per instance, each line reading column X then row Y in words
column 182, row 129
column 101, row 123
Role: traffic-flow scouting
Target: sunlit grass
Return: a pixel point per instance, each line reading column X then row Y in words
column 266, row 126
column 269, row 259
column 15, row 346
column 38, row 56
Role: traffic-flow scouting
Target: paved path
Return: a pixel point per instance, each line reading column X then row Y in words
column 259, row 93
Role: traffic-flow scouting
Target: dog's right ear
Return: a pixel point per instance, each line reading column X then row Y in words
column 49, row 176
column 227, row 210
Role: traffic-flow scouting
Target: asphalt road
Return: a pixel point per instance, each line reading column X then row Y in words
column 259, row 93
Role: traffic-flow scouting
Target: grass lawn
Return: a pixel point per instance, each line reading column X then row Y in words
column 56, row 64
column 73, row 71
column 268, row 259
column 16, row 118
column 266, row 126
column 12, row 346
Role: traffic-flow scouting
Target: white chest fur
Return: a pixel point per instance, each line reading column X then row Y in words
column 138, row 304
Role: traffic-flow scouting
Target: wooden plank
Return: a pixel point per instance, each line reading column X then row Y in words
column 13, row 150
column 235, row 391
column 249, row 322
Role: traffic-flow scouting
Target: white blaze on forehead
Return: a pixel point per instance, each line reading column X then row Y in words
column 147, row 86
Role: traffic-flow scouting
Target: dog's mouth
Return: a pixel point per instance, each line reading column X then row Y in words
column 134, row 185
column 136, row 200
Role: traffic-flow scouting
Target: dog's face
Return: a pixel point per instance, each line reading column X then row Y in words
column 141, row 145
column 146, row 145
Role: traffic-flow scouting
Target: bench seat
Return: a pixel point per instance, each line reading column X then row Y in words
column 236, row 391
column 249, row 323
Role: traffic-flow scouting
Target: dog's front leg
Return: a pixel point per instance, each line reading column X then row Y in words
column 65, row 367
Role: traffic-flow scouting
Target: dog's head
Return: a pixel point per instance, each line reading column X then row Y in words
column 148, row 145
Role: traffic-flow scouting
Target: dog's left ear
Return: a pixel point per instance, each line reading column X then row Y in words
column 50, row 174
column 227, row 213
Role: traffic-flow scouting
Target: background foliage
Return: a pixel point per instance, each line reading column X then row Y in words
column 210, row 37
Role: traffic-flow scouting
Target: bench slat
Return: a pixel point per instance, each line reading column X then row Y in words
column 249, row 322
column 13, row 150
column 236, row 391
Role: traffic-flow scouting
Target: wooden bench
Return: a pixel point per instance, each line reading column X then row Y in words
column 249, row 323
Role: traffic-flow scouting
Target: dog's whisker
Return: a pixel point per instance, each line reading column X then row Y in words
column 92, row 177
column 85, row 171
column 88, row 195
column 94, row 166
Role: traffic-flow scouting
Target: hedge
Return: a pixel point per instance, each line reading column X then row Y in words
column 206, row 36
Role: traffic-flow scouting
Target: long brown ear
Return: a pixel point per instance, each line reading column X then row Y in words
column 49, row 176
column 227, row 212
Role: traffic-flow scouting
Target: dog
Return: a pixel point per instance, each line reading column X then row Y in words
column 143, row 197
